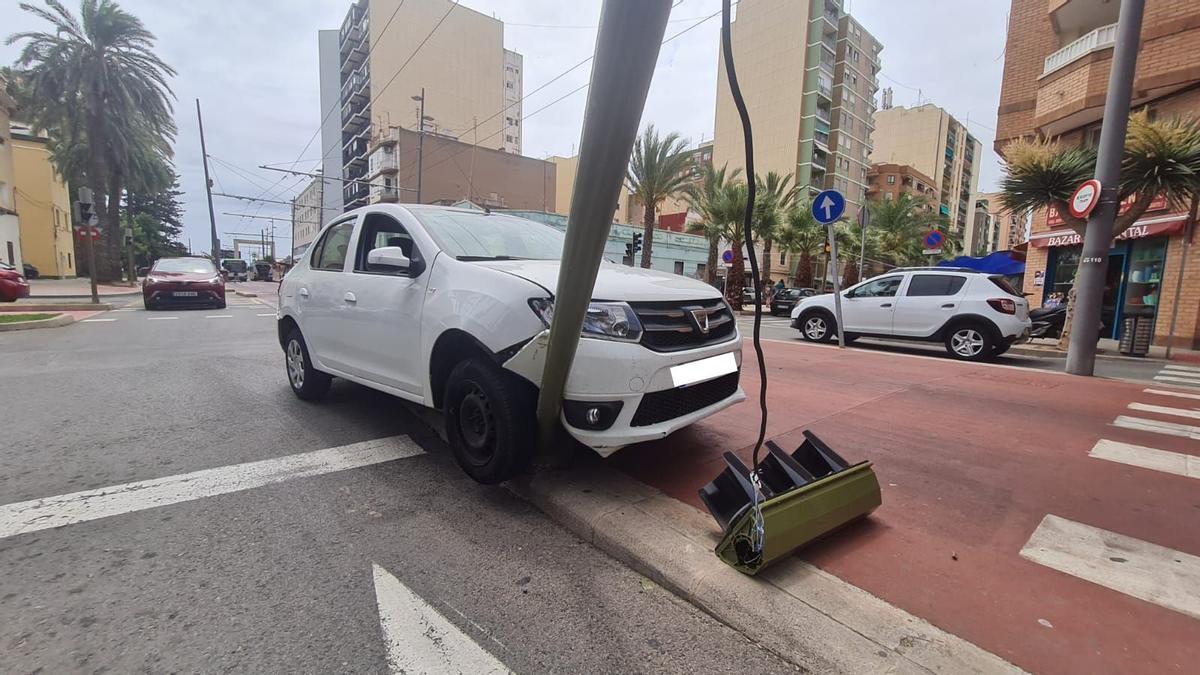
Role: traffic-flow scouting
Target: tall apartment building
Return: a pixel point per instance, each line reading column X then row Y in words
column 306, row 213
column 886, row 182
column 1010, row 227
column 809, row 75
column 1057, row 62
column 471, row 83
column 930, row 140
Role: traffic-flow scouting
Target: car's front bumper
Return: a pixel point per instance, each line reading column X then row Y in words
column 166, row 294
column 606, row 371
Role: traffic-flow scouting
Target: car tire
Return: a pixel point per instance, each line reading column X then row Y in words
column 307, row 383
column 817, row 326
column 490, row 420
column 149, row 304
column 1000, row 349
column 221, row 303
column 970, row 341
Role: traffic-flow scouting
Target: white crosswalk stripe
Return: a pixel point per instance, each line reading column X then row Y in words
column 1186, row 369
column 1155, row 426
column 1177, row 394
column 1166, row 410
column 1147, row 458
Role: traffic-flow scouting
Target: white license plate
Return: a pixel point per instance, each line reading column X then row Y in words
column 704, row 369
column 185, row 294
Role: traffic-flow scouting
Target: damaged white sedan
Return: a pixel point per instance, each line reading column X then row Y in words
column 449, row 308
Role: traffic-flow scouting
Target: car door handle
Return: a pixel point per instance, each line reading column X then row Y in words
column 948, row 305
column 349, row 297
column 303, row 292
column 886, row 304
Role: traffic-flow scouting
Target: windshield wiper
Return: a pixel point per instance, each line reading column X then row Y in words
column 477, row 258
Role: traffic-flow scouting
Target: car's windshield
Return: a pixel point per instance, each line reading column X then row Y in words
column 484, row 236
column 184, row 266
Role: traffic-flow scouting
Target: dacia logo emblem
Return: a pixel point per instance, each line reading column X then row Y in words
column 700, row 316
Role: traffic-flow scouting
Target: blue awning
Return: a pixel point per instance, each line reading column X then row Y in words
column 999, row 262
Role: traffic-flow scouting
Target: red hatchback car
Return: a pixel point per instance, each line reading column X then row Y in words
column 183, row 281
column 12, row 284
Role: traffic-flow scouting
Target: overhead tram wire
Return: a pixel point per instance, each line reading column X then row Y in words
column 560, row 98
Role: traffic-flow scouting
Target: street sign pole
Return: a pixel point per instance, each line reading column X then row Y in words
column 827, row 207
column 837, row 285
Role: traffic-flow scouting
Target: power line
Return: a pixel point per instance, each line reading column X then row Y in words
column 323, row 177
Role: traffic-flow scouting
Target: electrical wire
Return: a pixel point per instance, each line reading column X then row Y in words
column 758, row 538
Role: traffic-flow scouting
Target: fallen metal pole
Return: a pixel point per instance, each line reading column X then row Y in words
column 627, row 46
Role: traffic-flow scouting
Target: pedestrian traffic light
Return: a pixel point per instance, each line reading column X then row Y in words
column 637, row 242
column 827, row 248
column 628, row 250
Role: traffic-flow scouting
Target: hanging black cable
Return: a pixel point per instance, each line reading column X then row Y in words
column 747, row 230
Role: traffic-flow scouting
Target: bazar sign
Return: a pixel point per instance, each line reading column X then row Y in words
column 1157, row 204
column 1072, row 238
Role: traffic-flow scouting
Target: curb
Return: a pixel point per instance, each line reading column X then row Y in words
column 88, row 296
column 807, row 616
column 57, row 307
column 1056, row 354
column 52, row 322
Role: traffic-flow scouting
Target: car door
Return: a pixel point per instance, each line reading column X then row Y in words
column 928, row 302
column 382, row 306
column 867, row 308
column 320, row 292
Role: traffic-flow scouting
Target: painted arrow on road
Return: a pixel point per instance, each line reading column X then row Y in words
column 420, row 640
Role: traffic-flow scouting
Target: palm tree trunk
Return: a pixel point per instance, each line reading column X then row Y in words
column 766, row 263
column 804, row 270
column 849, row 273
column 736, row 279
column 647, row 234
column 710, row 265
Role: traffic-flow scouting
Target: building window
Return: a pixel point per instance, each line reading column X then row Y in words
column 678, row 267
column 508, row 84
column 783, row 257
column 508, row 137
column 891, row 180
column 700, row 270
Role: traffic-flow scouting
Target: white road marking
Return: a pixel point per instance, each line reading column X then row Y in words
column 125, row 309
column 1180, row 373
column 161, row 318
column 1164, row 392
column 79, row 507
column 1168, row 428
column 1147, row 458
column 1146, row 571
column 420, row 640
column 1190, row 369
column 1166, row 378
column 219, row 316
column 97, row 320
column 1165, row 410
column 269, row 314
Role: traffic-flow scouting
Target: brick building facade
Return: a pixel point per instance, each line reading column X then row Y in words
column 888, row 181
column 1057, row 62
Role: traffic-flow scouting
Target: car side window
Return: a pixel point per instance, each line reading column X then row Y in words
column 381, row 230
column 330, row 254
column 924, row 285
column 879, row 288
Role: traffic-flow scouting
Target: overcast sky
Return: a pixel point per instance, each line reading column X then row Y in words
column 253, row 65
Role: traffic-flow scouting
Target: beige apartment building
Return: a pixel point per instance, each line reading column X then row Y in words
column 1057, row 62
column 809, row 72
column 472, row 85
column 10, row 227
column 43, row 205
column 931, row 141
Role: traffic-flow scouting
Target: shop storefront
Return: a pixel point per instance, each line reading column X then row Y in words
column 1137, row 266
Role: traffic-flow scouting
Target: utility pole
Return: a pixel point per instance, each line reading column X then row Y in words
column 87, row 218
column 1098, row 237
column 420, row 141
column 212, row 218
column 864, row 217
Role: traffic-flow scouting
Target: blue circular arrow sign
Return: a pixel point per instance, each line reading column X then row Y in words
column 934, row 239
column 828, row 206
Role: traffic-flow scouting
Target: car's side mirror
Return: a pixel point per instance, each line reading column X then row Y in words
column 389, row 256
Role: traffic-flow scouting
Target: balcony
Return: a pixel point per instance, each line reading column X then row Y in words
column 1103, row 37
column 1072, row 18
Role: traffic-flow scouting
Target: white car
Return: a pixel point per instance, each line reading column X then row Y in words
column 976, row 315
column 450, row 308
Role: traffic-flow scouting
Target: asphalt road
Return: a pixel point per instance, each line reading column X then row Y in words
column 1140, row 370
column 279, row 577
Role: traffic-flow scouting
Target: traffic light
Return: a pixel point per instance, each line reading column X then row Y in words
column 827, row 248
column 637, row 243
column 628, row 250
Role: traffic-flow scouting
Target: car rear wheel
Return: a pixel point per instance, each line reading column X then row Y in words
column 307, row 382
column 816, row 326
column 970, row 342
column 490, row 420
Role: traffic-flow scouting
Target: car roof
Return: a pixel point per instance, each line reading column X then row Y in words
column 935, row 270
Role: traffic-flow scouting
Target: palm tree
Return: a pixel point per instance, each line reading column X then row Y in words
column 774, row 195
column 1160, row 157
column 97, row 85
column 657, row 170
column 898, row 225
column 708, row 197
column 734, row 207
column 801, row 234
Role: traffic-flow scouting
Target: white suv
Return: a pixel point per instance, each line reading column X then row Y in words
column 976, row 315
column 450, row 308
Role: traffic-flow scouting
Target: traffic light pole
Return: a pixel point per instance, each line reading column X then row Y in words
column 212, row 217
column 86, row 214
column 627, row 47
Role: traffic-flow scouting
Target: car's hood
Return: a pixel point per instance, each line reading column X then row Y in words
column 615, row 282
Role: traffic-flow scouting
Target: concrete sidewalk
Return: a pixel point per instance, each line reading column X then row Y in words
column 59, row 289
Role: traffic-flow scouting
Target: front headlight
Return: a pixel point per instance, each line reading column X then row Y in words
column 603, row 320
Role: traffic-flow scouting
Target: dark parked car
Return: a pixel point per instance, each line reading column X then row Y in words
column 31, row 272
column 12, row 284
column 183, row 281
column 785, row 300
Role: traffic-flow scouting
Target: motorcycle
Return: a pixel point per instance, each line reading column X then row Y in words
column 1048, row 322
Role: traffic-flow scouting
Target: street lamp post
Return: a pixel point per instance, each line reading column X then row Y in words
column 421, row 119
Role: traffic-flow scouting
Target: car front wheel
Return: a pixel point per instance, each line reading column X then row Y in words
column 970, row 342
column 490, row 420
column 307, row 382
column 816, row 327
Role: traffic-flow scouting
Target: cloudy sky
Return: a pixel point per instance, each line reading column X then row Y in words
column 253, row 65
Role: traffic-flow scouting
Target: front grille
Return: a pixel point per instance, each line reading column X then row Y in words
column 675, row 326
column 660, row 406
